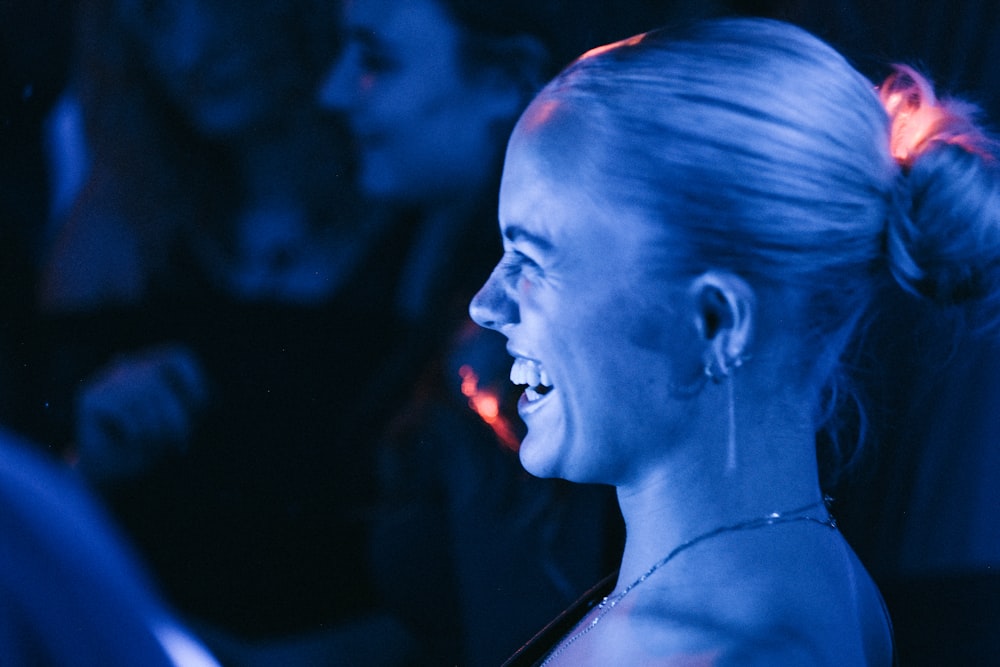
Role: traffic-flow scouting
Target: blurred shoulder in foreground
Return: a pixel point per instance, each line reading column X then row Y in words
column 71, row 593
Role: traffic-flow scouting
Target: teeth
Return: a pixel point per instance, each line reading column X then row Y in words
column 530, row 373
column 524, row 371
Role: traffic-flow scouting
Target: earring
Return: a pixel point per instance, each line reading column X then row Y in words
column 731, row 444
column 719, row 370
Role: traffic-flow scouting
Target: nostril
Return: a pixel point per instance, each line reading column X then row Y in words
column 492, row 307
column 479, row 313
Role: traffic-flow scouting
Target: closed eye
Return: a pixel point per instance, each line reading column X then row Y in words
column 515, row 265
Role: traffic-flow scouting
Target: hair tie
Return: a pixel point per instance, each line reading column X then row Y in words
column 918, row 118
column 913, row 111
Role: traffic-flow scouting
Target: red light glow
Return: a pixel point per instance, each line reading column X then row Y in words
column 919, row 118
column 486, row 404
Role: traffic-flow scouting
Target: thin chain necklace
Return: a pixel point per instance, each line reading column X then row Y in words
column 772, row 519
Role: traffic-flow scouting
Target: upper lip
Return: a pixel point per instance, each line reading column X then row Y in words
column 514, row 352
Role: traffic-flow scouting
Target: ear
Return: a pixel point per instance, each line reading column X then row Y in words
column 724, row 317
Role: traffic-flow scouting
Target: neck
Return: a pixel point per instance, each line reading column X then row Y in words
column 700, row 490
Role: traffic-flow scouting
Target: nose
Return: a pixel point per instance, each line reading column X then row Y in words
column 339, row 89
column 493, row 307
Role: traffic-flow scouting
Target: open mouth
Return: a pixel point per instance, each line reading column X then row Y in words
column 532, row 376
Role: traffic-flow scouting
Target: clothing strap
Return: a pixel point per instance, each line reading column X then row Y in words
column 542, row 643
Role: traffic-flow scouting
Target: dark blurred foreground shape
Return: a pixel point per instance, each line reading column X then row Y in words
column 70, row 592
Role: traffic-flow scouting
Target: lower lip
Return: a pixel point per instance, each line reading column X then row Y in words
column 525, row 406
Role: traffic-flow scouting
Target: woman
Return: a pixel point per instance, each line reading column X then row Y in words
column 431, row 90
column 696, row 227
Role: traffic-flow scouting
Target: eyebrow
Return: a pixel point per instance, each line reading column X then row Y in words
column 518, row 234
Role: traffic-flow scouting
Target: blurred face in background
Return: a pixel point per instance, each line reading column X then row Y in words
column 230, row 67
column 425, row 128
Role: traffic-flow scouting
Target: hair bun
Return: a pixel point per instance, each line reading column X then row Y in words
column 944, row 242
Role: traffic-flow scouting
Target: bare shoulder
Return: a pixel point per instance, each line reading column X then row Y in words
column 795, row 597
column 808, row 604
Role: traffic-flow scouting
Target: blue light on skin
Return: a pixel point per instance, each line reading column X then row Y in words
column 565, row 296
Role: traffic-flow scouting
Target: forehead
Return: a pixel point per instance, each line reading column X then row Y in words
column 546, row 166
column 400, row 23
column 555, row 195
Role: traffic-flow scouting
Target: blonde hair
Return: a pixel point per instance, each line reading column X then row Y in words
column 765, row 153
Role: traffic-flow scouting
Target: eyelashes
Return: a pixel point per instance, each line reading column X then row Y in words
column 516, row 265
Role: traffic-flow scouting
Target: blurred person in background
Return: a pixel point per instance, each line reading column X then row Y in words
column 213, row 314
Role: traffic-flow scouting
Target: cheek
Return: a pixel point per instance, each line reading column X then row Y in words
column 525, row 291
column 669, row 342
column 529, row 297
column 384, row 104
column 651, row 331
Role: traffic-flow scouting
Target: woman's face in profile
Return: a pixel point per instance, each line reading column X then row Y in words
column 423, row 127
column 593, row 330
column 228, row 66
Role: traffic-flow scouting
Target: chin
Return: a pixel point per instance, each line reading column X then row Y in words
column 539, row 458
